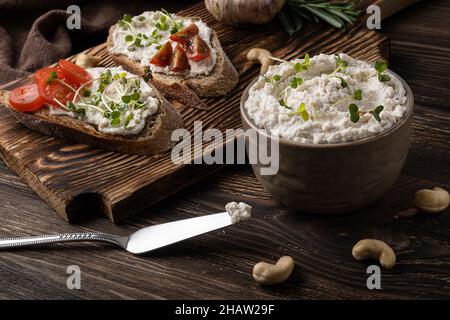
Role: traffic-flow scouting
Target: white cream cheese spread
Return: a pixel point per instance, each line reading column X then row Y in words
column 326, row 99
column 238, row 211
column 115, row 102
column 140, row 37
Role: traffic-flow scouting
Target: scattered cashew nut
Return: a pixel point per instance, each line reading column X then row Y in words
column 86, row 60
column 267, row 274
column 432, row 200
column 374, row 249
column 262, row 56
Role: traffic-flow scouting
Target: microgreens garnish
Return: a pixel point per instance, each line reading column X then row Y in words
column 376, row 113
column 295, row 82
column 357, row 95
column 125, row 21
column 174, row 25
column 53, row 75
column 301, row 111
column 162, row 23
column 341, row 64
column 128, row 119
column 115, row 118
column 105, row 80
column 273, row 79
column 78, row 110
column 381, row 67
column 116, row 98
column 344, row 83
column 304, row 65
column 86, row 93
column 283, row 104
column 354, row 112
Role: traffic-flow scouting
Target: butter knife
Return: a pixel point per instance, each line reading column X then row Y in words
column 139, row 242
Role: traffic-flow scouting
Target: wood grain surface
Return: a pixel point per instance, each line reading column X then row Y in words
column 75, row 179
column 218, row 265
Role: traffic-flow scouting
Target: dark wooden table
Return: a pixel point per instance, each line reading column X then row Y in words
column 218, row 265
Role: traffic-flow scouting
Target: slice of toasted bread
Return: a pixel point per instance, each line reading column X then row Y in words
column 154, row 138
column 222, row 79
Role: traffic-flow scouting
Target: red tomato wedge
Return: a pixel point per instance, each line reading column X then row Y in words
column 51, row 88
column 26, row 98
column 185, row 35
column 73, row 72
column 180, row 60
column 198, row 49
column 164, row 55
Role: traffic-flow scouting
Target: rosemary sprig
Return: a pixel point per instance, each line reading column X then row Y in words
column 336, row 14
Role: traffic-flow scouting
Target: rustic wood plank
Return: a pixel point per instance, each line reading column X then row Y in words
column 420, row 49
column 72, row 177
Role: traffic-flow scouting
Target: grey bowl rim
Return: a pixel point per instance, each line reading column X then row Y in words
column 391, row 130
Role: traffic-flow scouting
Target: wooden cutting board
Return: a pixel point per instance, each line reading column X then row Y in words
column 79, row 181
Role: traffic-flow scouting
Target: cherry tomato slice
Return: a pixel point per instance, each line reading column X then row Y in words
column 51, row 88
column 73, row 72
column 180, row 60
column 198, row 49
column 26, row 98
column 185, row 35
column 46, row 71
column 164, row 55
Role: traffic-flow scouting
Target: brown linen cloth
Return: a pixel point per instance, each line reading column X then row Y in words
column 33, row 33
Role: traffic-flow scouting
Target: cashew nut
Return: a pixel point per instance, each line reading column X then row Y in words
column 432, row 201
column 262, row 56
column 267, row 274
column 374, row 249
column 86, row 60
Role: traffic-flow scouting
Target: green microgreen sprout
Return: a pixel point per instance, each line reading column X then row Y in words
column 53, row 76
column 283, row 104
column 86, row 93
column 296, row 82
column 78, row 110
column 162, row 23
column 357, row 95
column 381, row 67
column 304, row 65
column 354, row 112
column 105, row 80
column 344, row 83
column 273, row 79
column 115, row 116
column 341, row 64
column 376, row 113
column 125, row 21
column 301, row 111
column 128, row 119
column 174, row 25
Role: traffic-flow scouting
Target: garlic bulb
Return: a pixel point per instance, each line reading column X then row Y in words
column 244, row 11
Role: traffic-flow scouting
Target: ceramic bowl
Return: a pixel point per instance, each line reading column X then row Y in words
column 336, row 178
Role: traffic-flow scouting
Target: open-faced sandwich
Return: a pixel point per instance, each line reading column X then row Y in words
column 175, row 51
column 104, row 107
